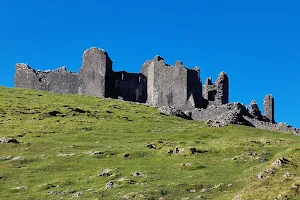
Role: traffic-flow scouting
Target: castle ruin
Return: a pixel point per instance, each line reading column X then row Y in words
column 159, row 85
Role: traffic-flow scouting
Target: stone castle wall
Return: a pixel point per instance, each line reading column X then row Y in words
column 59, row 80
column 174, row 86
column 158, row 84
column 130, row 86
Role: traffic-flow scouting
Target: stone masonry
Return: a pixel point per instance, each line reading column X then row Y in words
column 217, row 93
column 159, row 84
column 269, row 108
column 171, row 88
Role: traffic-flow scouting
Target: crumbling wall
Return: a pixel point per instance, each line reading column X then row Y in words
column 96, row 75
column 217, row 93
column 171, row 85
column 130, row 86
column 255, row 112
column 59, row 81
column 26, row 77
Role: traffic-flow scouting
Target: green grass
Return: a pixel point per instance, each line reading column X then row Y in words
column 47, row 125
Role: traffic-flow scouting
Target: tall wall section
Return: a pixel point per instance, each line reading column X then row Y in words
column 269, row 110
column 96, row 74
column 172, row 85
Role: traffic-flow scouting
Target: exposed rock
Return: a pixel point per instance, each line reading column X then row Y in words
column 96, row 152
column 66, row 155
column 287, row 174
column 8, row 140
column 280, row 161
column 20, row 188
column 178, row 150
column 126, row 180
column 78, row 194
column 260, row 176
column 151, row 146
column 170, row 151
column 109, row 185
column 138, row 174
column 18, row 158
column 272, row 170
column 106, row 172
column 174, row 112
column 205, row 189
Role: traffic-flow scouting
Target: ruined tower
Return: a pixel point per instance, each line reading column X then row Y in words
column 96, row 75
column 217, row 93
column 269, row 108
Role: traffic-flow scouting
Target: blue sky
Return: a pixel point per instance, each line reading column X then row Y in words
column 256, row 42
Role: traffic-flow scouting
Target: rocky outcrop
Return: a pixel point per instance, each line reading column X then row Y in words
column 174, row 112
column 236, row 113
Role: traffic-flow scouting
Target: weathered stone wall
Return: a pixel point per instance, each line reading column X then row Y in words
column 174, row 86
column 96, row 75
column 25, row 77
column 217, row 93
column 255, row 112
column 222, row 88
column 130, row 86
column 59, row 81
column 194, row 88
column 269, row 108
column 159, row 84
column 169, row 87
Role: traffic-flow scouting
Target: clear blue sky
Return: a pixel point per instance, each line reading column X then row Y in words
column 256, row 42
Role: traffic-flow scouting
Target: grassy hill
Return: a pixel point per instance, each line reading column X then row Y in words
column 66, row 141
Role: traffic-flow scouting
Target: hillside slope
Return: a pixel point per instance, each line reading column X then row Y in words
column 70, row 146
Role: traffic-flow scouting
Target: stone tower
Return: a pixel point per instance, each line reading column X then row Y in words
column 95, row 76
column 269, row 108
